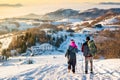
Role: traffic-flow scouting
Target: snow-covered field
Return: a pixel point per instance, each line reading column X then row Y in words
column 5, row 42
column 54, row 67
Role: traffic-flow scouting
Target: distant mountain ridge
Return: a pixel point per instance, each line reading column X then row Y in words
column 61, row 13
column 87, row 14
column 31, row 16
column 95, row 12
column 70, row 13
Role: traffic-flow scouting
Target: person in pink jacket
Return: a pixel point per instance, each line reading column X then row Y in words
column 71, row 55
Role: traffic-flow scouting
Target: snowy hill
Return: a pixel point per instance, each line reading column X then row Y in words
column 54, row 66
column 66, row 21
column 11, row 25
column 84, row 30
column 60, row 14
column 5, row 40
column 110, row 21
column 87, row 14
column 95, row 12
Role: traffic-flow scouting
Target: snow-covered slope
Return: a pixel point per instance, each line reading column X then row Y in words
column 17, row 24
column 54, row 67
column 24, row 26
column 5, row 41
column 110, row 21
column 65, row 21
column 78, row 38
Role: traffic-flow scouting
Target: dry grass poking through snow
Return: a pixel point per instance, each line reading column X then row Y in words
column 110, row 47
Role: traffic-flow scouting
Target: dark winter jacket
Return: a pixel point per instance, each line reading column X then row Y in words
column 85, row 50
column 71, row 54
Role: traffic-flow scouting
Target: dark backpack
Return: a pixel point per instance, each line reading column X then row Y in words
column 69, row 51
column 92, row 47
column 85, row 49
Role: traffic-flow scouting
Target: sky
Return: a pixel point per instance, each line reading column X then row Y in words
column 12, row 8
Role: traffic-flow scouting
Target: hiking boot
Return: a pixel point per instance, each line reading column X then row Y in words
column 73, row 72
column 91, row 72
column 86, row 72
column 68, row 70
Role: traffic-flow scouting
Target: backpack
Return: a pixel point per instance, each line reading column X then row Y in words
column 85, row 49
column 92, row 47
column 68, row 52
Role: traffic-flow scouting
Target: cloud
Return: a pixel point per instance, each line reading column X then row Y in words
column 11, row 5
column 109, row 3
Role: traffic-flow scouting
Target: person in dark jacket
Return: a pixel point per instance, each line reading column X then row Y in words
column 87, row 55
column 71, row 56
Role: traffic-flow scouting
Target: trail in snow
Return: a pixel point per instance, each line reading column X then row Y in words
column 56, row 69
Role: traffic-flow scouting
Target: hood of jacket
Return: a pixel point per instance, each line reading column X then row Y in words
column 72, row 44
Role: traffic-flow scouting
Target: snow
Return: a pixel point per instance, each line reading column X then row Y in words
column 65, row 21
column 24, row 26
column 69, row 20
column 17, row 24
column 109, row 21
column 78, row 38
column 88, row 30
column 5, row 42
column 7, row 25
column 54, row 67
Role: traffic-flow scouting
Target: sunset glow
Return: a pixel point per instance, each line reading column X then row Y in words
column 10, row 8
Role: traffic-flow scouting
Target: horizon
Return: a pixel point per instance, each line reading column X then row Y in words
column 13, row 8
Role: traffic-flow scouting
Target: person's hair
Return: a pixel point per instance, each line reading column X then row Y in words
column 88, row 38
column 72, row 40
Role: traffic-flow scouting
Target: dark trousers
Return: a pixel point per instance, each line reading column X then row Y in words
column 72, row 64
